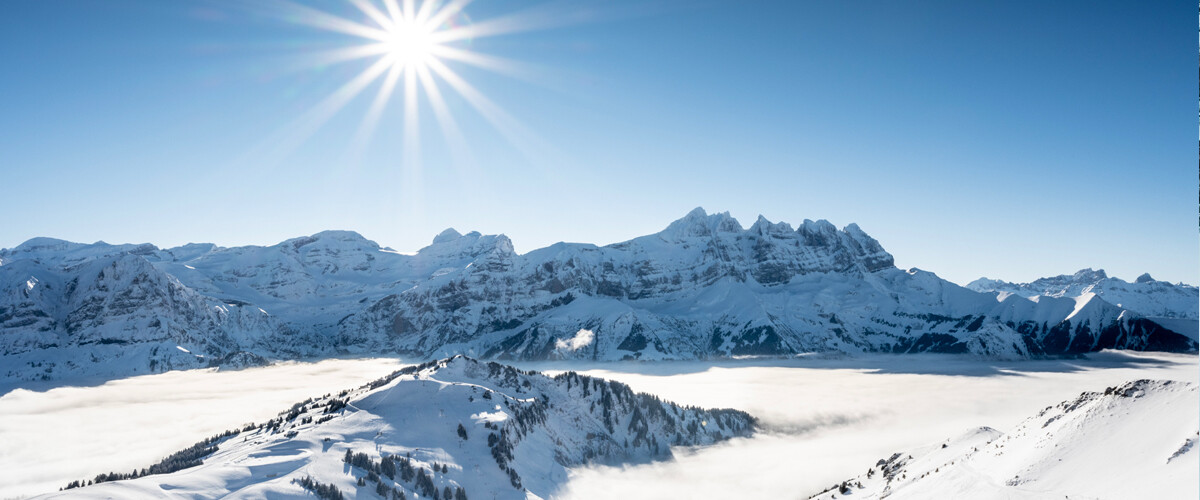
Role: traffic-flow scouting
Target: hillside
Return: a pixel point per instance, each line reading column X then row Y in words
column 474, row 429
column 1137, row 440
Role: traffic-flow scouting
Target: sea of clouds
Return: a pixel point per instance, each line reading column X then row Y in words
column 829, row 420
column 50, row 438
column 824, row 420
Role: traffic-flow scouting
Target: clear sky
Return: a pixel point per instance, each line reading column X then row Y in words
column 1005, row 139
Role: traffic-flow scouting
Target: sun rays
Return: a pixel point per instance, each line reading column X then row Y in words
column 409, row 47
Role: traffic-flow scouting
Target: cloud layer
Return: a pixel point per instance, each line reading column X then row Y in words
column 51, row 438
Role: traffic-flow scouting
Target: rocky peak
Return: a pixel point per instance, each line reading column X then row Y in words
column 1089, row 276
column 764, row 227
column 867, row 249
column 1144, row 278
column 453, row 249
column 817, row 234
column 699, row 223
column 448, row 235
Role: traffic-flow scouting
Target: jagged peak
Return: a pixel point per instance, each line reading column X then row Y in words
column 819, row 226
column 765, row 226
column 1144, row 278
column 472, row 244
column 853, row 229
column 448, row 235
column 700, row 223
column 861, row 237
column 1089, row 274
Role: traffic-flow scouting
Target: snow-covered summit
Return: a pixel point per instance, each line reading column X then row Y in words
column 1146, row 296
column 698, row 223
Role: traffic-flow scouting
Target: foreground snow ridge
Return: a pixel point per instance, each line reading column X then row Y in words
column 1136, row 440
column 450, row 429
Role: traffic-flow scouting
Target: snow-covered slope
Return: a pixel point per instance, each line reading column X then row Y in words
column 702, row 287
column 474, row 429
column 1145, row 296
column 1137, row 440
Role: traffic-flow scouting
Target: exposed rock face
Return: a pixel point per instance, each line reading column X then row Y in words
column 703, row 287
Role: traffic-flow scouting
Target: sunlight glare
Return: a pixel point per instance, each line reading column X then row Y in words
column 411, row 40
column 409, row 43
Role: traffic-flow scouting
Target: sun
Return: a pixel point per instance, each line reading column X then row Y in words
column 409, row 43
column 410, row 50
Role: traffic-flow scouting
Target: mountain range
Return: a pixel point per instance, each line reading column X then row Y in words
column 1162, row 301
column 703, row 287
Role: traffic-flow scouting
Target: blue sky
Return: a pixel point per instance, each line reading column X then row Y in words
column 1006, row 139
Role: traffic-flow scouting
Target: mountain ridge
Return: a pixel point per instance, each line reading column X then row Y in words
column 1142, row 428
column 703, row 287
column 1145, row 295
column 479, row 428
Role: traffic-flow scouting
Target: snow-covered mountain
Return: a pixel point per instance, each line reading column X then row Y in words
column 1145, row 296
column 449, row 429
column 70, row 310
column 1137, row 440
column 706, row 287
column 703, row 287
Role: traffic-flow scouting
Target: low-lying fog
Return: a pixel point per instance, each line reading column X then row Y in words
column 48, row 439
column 829, row 420
column 825, row 419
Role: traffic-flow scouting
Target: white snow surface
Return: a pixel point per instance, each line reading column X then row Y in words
column 1133, row 440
